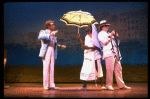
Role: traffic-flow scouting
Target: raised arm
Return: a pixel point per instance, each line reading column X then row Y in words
column 118, row 39
column 80, row 40
column 105, row 38
column 61, row 46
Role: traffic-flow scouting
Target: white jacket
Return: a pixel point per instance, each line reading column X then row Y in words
column 103, row 37
column 89, row 43
column 45, row 34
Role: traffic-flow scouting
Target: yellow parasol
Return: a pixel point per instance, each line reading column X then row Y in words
column 78, row 18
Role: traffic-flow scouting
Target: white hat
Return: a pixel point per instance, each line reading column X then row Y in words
column 102, row 23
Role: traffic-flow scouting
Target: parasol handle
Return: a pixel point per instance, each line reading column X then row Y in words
column 78, row 29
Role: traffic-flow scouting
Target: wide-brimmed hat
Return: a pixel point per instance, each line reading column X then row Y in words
column 103, row 23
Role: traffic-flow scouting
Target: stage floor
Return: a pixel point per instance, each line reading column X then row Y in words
column 35, row 90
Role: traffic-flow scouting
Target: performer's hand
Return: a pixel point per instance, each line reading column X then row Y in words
column 63, row 46
column 112, row 33
column 117, row 35
column 78, row 35
column 53, row 33
column 117, row 58
column 83, row 47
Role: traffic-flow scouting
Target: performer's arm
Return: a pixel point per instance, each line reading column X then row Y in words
column 118, row 39
column 106, row 38
column 43, row 35
column 80, row 40
column 61, row 46
column 86, row 47
column 42, row 42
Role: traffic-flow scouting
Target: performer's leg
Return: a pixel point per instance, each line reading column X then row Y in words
column 4, row 73
column 99, row 66
column 102, row 81
column 52, row 84
column 109, row 61
column 118, row 74
column 4, row 69
column 100, row 72
column 96, row 68
column 84, row 84
column 46, row 63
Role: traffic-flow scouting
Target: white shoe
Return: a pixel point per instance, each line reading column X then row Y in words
column 54, row 88
column 110, row 88
column 125, row 87
column 103, row 88
column 46, row 88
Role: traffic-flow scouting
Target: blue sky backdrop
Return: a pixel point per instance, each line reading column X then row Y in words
column 24, row 17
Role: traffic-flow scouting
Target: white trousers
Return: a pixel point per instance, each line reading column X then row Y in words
column 99, row 67
column 113, row 65
column 48, row 68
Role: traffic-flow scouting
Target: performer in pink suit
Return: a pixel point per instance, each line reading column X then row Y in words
column 50, row 54
column 111, row 55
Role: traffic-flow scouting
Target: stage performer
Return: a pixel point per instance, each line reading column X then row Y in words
column 91, row 53
column 48, row 53
column 111, row 55
column 5, row 59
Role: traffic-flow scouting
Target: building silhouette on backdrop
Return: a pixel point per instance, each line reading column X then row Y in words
column 131, row 26
column 134, row 25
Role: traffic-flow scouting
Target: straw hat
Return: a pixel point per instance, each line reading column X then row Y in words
column 103, row 23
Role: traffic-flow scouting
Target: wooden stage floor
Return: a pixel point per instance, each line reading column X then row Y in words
column 35, row 90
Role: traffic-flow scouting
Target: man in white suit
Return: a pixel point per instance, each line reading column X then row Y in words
column 111, row 55
column 48, row 53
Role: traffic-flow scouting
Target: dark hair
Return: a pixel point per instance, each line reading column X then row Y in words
column 101, row 28
column 89, row 28
column 48, row 24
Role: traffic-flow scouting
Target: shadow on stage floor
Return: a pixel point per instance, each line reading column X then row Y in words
column 72, row 90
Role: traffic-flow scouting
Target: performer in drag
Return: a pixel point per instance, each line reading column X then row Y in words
column 91, row 53
column 111, row 55
column 48, row 53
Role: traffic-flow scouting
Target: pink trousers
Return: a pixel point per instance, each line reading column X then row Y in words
column 48, row 68
column 112, row 65
column 99, row 66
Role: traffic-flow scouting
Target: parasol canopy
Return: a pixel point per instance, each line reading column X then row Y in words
column 78, row 18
